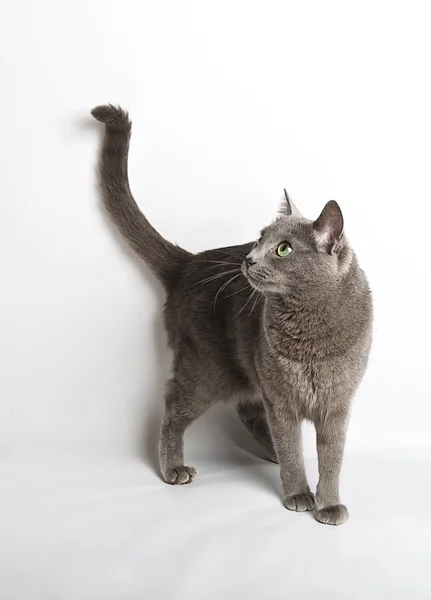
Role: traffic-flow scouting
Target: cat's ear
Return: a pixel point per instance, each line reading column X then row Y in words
column 288, row 207
column 329, row 228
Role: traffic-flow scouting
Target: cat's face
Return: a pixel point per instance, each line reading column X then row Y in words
column 297, row 257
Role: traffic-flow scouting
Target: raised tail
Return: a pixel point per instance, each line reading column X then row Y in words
column 166, row 260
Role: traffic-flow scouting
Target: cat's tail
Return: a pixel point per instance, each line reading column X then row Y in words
column 166, row 260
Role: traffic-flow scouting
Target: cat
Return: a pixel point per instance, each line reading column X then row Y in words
column 281, row 326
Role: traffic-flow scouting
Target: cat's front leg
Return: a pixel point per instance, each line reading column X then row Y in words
column 286, row 434
column 331, row 436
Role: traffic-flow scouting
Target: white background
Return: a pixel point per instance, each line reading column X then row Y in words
column 231, row 102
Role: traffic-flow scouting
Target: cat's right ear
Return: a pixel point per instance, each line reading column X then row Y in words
column 288, row 207
column 329, row 228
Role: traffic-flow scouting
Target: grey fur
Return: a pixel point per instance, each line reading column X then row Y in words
column 287, row 339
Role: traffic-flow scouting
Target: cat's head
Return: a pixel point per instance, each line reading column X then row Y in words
column 297, row 257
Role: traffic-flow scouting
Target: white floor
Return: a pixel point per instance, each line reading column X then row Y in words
column 77, row 526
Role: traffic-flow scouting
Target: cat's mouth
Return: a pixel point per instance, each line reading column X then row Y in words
column 254, row 280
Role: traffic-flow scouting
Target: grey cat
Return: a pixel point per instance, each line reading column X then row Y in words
column 281, row 326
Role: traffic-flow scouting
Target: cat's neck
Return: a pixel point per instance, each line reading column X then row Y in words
column 326, row 322
column 308, row 320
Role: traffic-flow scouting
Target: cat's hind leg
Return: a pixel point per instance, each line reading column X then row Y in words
column 253, row 415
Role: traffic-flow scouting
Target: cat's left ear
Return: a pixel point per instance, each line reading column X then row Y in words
column 288, row 207
column 329, row 228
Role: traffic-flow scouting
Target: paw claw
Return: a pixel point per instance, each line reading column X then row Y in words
column 333, row 515
column 300, row 502
column 179, row 475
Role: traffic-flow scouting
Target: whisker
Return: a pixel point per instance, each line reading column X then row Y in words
column 238, row 291
column 248, row 300
column 266, row 272
column 224, row 286
column 232, row 253
column 224, row 262
column 208, row 279
column 221, row 262
column 258, row 297
column 215, row 266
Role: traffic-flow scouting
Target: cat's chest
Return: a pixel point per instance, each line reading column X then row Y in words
column 307, row 386
column 304, row 382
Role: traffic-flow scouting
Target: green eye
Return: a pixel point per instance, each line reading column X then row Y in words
column 284, row 249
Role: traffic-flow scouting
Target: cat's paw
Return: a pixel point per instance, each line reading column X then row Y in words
column 179, row 475
column 299, row 502
column 333, row 515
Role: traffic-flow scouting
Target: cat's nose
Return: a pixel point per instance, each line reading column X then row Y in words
column 249, row 262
